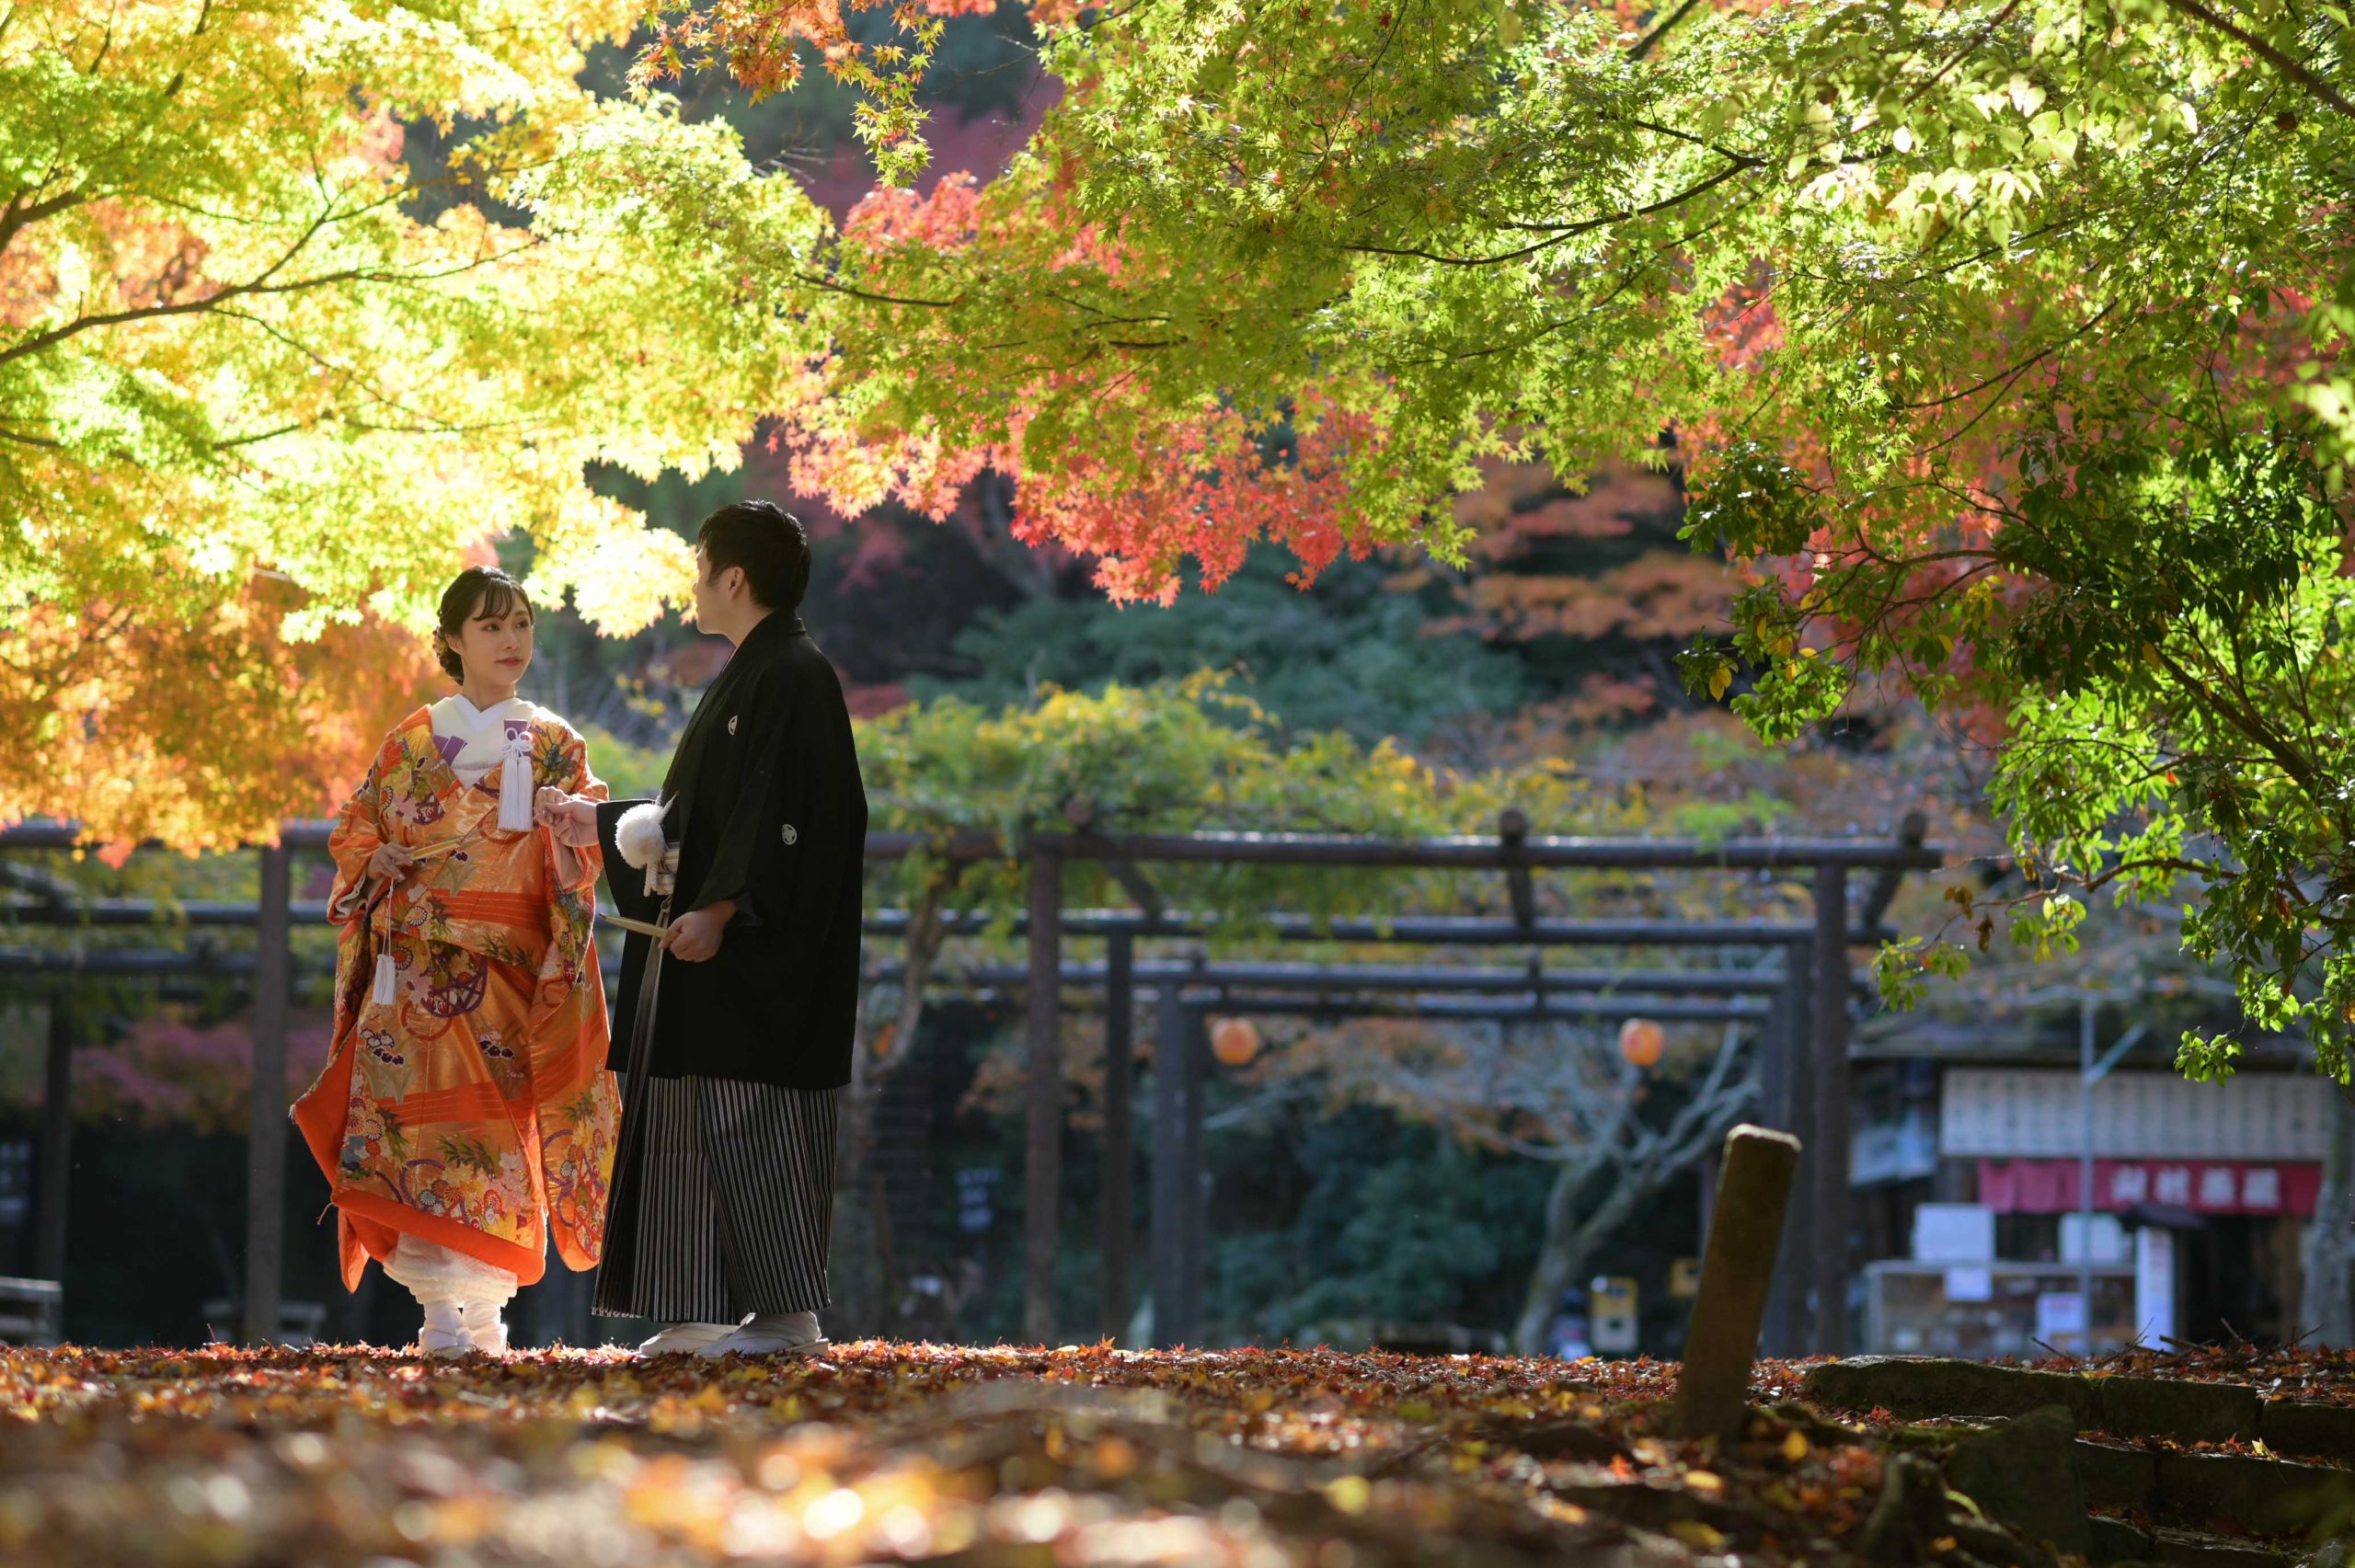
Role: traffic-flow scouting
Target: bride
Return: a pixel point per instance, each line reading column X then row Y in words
column 465, row 1115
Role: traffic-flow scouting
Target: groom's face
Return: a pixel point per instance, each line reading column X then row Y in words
column 717, row 592
column 711, row 595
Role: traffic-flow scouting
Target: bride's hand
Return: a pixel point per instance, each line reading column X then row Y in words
column 572, row 817
column 391, row 862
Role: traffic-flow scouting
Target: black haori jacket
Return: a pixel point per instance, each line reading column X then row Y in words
column 768, row 811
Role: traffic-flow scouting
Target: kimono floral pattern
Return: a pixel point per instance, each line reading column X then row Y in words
column 474, row 1108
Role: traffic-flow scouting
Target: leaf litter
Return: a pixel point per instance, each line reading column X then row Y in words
column 356, row 1457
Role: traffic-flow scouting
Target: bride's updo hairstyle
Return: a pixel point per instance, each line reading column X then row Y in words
column 476, row 592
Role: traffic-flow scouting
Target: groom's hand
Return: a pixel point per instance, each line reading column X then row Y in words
column 694, row 936
column 571, row 817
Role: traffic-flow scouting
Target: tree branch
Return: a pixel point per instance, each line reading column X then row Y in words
column 2294, row 69
column 1644, row 45
column 15, row 219
column 1558, row 233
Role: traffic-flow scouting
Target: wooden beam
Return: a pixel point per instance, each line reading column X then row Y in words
column 1080, row 812
column 1909, row 834
column 1291, row 849
column 1410, row 931
column 1415, row 931
column 265, row 1132
column 1527, row 979
column 1043, row 1159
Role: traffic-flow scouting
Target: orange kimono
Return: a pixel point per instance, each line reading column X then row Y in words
column 473, row 1109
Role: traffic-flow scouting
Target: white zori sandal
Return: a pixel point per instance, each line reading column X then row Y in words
column 684, row 1338
column 463, row 1298
column 770, row 1333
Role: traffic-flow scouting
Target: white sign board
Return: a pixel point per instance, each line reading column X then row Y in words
column 1971, row 1283
column 2060, row 1315
column 1953, row 1233
column 2029, row 1113
column 2110, row 1239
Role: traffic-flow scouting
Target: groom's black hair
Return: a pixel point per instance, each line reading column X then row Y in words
column 767, row 541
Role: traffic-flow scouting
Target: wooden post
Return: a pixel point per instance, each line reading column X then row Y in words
column 1169, row 1173
column 1829, row 1139
column 1194, row 1053
column 1043, row 1161
column 265, row 1133
column 56, row 1139
column 1789, row 1104
column 1120, row 1092
column 1513, row 837
column 1736, row 1271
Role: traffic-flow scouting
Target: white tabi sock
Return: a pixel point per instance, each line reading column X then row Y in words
column 485, row 1325
column 457, row 1293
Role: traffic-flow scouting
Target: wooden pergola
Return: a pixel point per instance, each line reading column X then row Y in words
column 1803, row 1016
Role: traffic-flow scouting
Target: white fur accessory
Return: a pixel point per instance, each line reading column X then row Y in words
column 638, row 835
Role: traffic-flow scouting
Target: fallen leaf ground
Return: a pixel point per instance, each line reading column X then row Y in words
column 891, row 1452
column 2315, row 1373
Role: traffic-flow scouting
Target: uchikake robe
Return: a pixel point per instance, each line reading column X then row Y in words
column 767, row 810
column 474, row 1108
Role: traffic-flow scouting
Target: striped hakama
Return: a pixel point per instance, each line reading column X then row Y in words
column 730, row 1207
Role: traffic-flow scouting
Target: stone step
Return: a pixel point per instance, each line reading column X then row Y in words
column 2120, row 1544
column 2034, row 1474
column 2272, row 1496
column 1916, row 1387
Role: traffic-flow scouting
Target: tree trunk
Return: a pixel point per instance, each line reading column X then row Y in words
column 2326, row 1308
column 1570, row 1240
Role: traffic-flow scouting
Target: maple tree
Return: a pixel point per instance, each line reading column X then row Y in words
column 2000, row 341
column 264, row 386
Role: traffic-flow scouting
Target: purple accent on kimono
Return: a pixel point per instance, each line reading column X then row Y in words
column 516, row 727
column 449, row 745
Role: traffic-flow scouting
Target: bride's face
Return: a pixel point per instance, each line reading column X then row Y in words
column 496, row 642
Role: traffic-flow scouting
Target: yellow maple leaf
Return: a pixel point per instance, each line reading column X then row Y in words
column 1696, row 1535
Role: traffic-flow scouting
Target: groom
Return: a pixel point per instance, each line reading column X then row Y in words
column 742, row 1018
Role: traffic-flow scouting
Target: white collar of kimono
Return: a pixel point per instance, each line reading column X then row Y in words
column 481, row 732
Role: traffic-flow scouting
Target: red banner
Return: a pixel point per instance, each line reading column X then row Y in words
column 2204, row 1186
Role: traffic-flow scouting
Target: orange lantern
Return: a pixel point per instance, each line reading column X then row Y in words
column 1235, row 1041
column 1641, row 1042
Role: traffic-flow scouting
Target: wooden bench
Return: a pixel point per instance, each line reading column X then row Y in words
column 298, row 1323
column 30, row 1310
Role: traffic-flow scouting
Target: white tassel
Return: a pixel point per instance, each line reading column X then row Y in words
column 384, row 993
column 515, row 785
column 638, row 835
